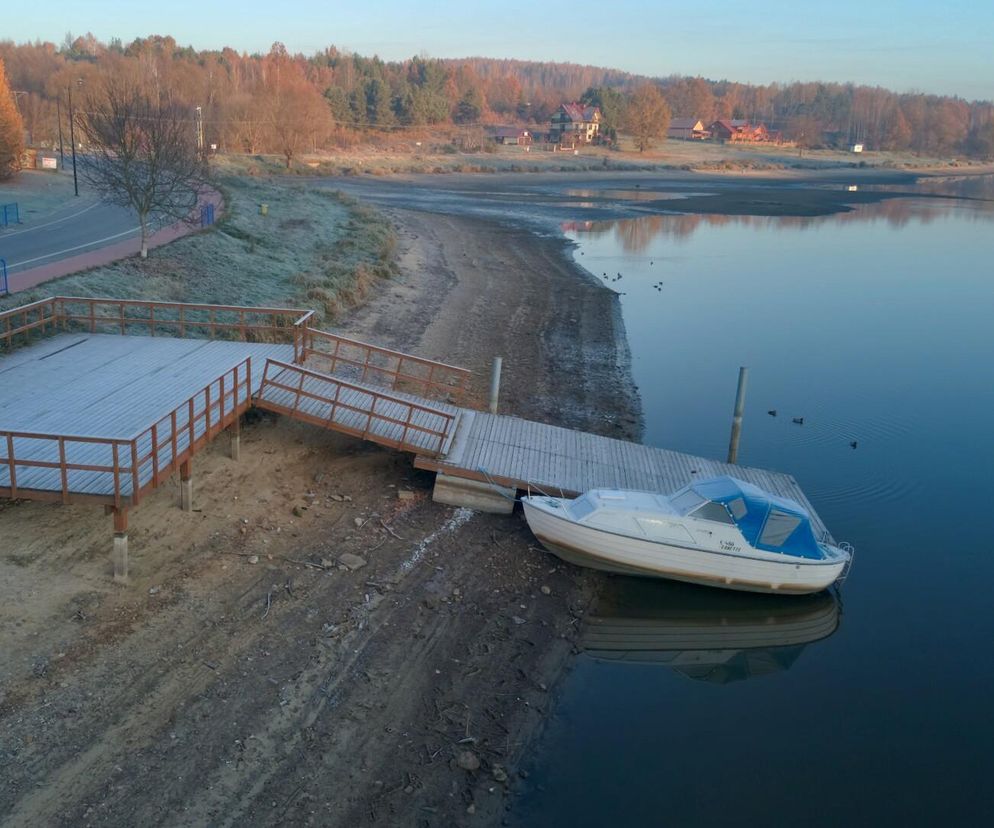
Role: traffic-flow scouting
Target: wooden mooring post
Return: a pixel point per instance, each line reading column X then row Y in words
column 740, row 394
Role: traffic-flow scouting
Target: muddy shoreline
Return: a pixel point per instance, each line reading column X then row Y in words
column 247, row 674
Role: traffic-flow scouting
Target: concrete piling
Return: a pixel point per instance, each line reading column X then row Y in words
column 119, row 555
column 186, row 486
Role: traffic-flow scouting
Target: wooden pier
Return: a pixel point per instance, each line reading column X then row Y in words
column 102, row 400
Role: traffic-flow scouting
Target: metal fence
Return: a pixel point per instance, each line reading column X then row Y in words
column 9, row 214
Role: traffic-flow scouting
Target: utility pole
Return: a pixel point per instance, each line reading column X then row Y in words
column 58, row 113
column 200, row 131
column 72, row 138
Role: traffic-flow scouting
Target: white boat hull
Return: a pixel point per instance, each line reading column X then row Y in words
column 597, row 549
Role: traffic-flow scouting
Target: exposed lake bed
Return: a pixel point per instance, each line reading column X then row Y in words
column 870, row 322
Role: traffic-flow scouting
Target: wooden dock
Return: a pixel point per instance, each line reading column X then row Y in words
column 101, row 400
column 523, row 454
column 507, row 451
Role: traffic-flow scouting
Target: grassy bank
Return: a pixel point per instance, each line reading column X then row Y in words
column 401, row 158
column 314, row 248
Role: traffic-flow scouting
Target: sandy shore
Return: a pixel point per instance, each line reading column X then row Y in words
column 249, row 679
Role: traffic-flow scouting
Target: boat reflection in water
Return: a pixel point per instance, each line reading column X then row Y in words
column 705, row 634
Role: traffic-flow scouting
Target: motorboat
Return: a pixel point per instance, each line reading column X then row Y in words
column 721, row 532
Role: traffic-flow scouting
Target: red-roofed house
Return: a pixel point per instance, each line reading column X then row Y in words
column 736, row 129
column 576, row 122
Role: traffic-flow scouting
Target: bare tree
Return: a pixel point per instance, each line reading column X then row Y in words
column 142, row 153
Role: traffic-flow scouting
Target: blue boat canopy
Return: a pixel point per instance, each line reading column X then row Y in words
column 768, row 522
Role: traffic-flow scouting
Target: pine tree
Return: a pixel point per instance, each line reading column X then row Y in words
column 11, row 130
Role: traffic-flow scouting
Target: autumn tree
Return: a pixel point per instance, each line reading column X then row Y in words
column 648, row 115
column 11, row 130
column 805, row 131
column 142, row 154
column 296, row 112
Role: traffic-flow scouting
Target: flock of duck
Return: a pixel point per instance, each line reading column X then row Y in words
column 659, row 287
column 800, row 421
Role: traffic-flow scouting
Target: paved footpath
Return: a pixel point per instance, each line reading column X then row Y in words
column 111, row 253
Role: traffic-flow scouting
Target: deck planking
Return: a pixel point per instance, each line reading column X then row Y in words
column 117, row 386
column 528, row 454
column 114, row 387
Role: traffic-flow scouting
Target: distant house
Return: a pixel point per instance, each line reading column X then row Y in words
column 687, row 129
column 575, row 122
column 512, row 135
column 736, row 130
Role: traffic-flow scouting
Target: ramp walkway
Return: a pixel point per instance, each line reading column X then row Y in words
column 507, row 451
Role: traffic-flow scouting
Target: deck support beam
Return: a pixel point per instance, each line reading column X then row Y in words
column 119, row 555
column 186, row 485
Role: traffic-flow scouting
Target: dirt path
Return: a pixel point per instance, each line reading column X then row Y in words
column 246, row 677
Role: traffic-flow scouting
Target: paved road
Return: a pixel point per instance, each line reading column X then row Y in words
column 81, row 225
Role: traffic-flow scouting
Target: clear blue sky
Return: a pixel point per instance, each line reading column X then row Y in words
column 943, row 46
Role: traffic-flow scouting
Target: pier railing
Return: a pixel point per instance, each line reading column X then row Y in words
column 117, row 470
column 395, row 370
column 333, row 403
column 149, row 318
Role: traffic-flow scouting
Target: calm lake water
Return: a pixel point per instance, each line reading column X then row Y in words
column 691, row 706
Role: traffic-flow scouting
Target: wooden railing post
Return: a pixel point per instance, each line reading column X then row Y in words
column 190, row 427
column 220, row 416
column 117, row 475
column 155, row 454
column 63, row 471
column 12, row 466
column 135, row 476
column 172, row 438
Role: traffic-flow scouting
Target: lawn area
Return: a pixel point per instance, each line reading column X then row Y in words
column 314, row 248
column 39, row 194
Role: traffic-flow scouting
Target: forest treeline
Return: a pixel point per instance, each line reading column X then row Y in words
column 287, row 103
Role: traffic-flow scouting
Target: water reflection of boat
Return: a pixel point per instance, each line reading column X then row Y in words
column 705, row 635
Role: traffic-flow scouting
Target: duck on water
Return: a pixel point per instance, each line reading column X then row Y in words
column 719, row 532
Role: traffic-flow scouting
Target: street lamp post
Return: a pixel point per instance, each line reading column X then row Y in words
column 72, row 139
column 58, row 115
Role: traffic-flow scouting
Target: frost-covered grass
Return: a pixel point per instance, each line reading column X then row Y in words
column 38, row 194
column 315, row 249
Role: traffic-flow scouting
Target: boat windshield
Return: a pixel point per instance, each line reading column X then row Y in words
column 686, row 501
column 580, row 508
column 713, row 511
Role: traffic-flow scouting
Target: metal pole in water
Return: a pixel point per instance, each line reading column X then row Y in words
column 740, row 395
column 495, row 384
